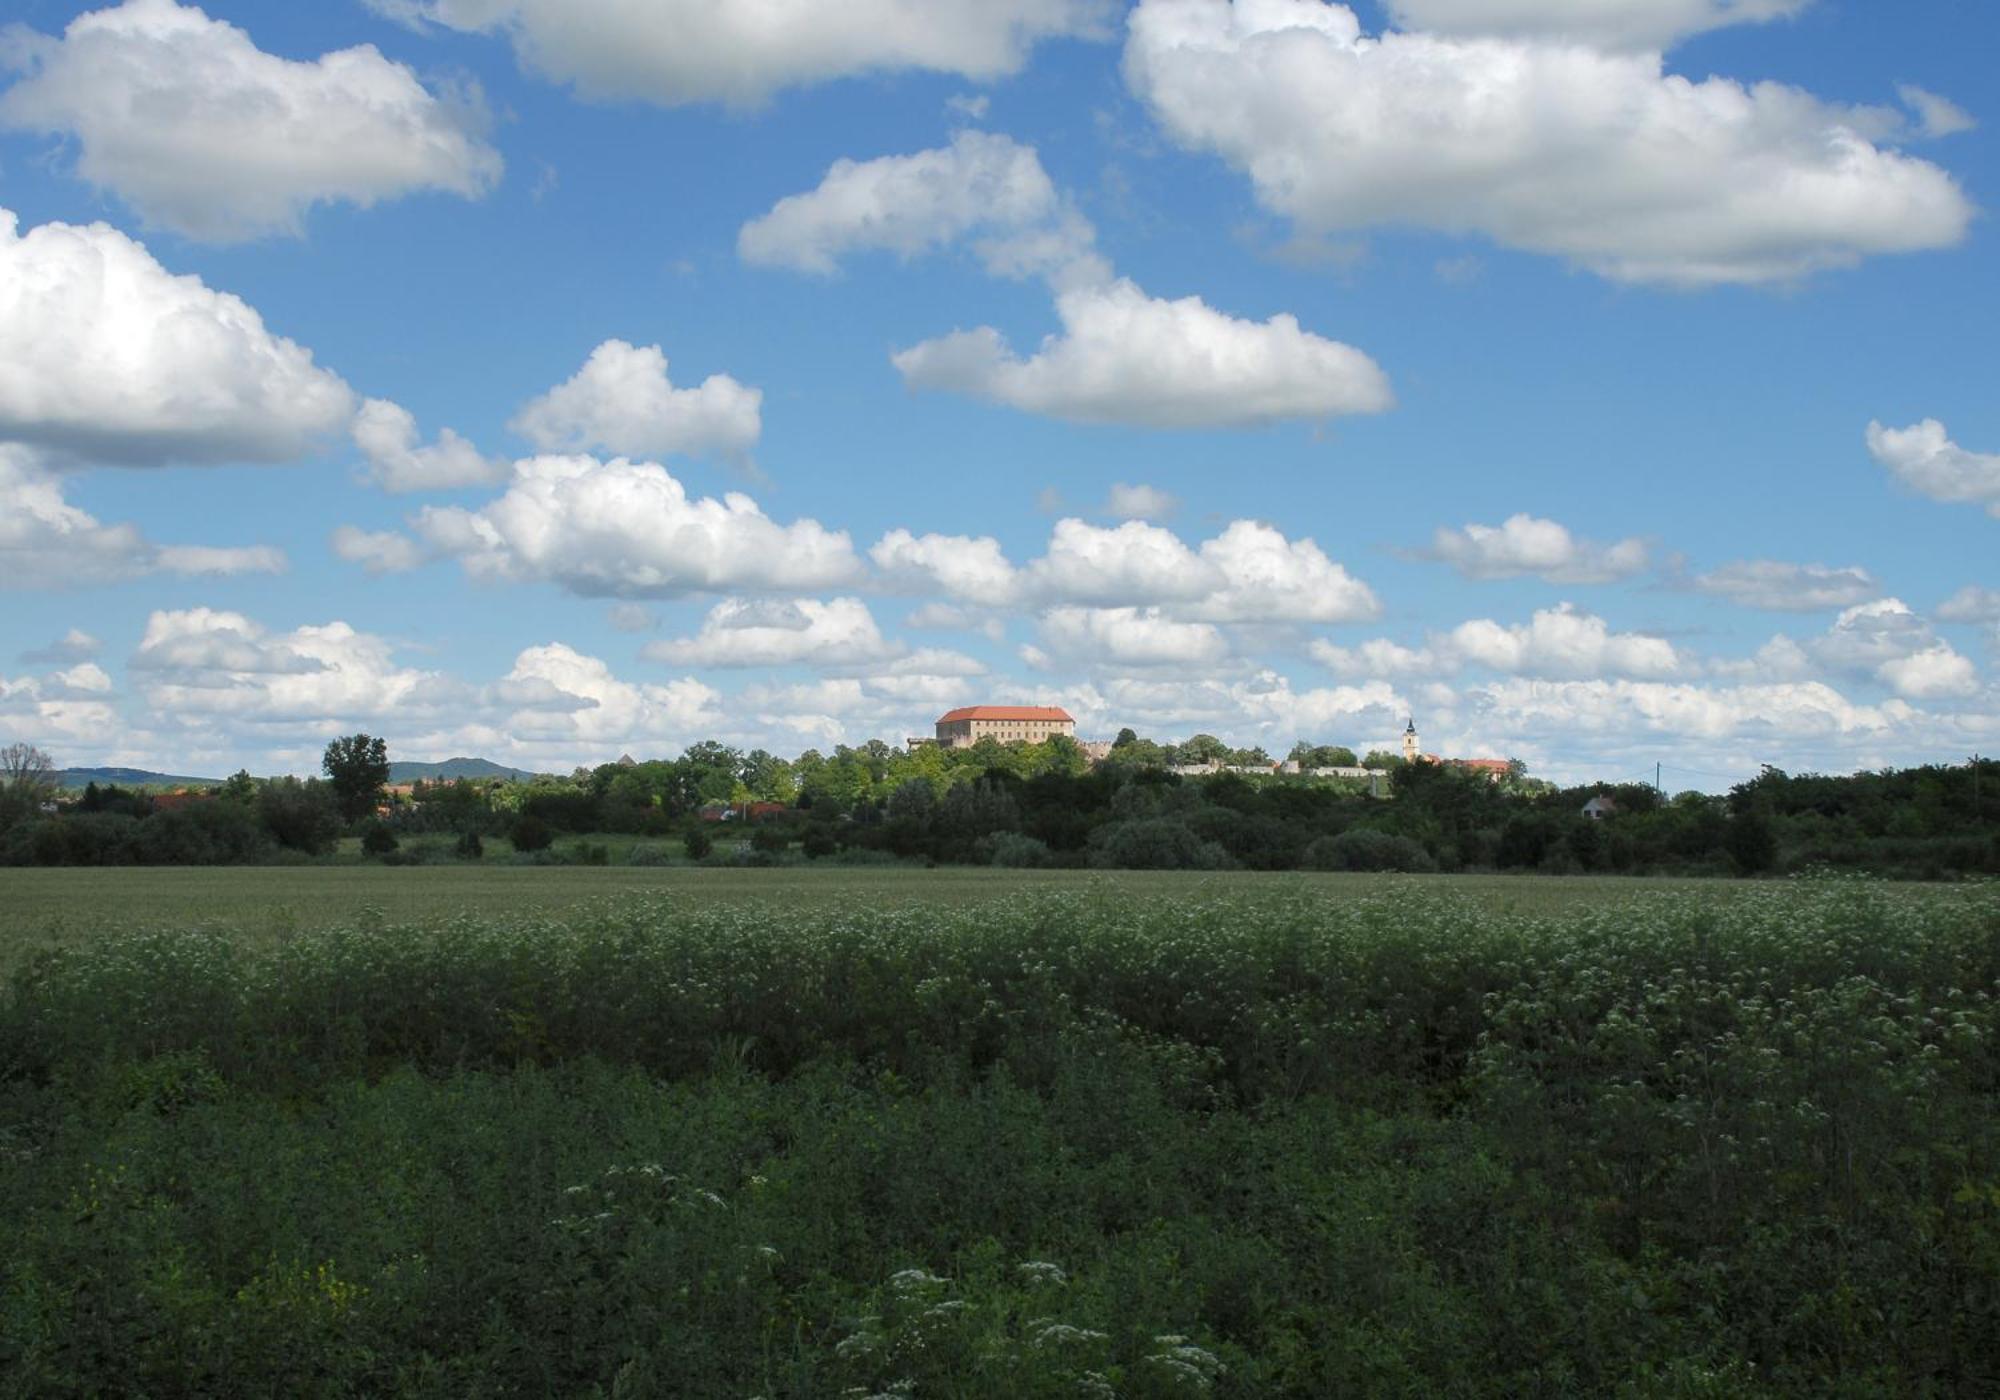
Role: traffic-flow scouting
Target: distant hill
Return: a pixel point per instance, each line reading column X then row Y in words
column 454, row 768
column 127, row 778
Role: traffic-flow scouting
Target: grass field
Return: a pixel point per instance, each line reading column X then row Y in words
column 47, row 907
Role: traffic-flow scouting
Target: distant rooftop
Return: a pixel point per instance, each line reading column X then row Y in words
column 1005, row 712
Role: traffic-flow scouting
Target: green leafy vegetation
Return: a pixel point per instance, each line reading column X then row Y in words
column 1042, row 804
column 1246, row 1142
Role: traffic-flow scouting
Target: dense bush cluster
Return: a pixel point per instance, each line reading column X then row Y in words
column 1272, row 1145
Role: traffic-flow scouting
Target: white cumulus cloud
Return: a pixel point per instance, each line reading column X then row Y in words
column 556, row 696
column 1090, row 637
column 622, row 402
column 205, row 662
column 1525, row 545
column 105, row 356
column 742, row 51
column 630, row 530
column 200, row 131
column 1925, row 459
column 973, row 569
column 1133, row 563
column 386, row 433
column 1267, row 578
column 1599, row 157
column 1250, row 573
column 908, row 205
column 1126, row 357
column 1557, row 643
column 1887, row 640
column 839, row 632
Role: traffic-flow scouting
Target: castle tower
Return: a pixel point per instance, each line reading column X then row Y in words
column 1412, row 749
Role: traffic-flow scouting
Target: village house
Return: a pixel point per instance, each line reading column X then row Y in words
column 1009, row 724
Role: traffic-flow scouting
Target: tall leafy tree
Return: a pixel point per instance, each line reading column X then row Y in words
column 358, row 768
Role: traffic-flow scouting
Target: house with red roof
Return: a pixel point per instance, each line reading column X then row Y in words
column 1009, row 724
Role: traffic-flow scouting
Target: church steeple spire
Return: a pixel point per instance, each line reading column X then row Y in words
column 1412, row 749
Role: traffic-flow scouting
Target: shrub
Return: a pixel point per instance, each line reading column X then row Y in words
column 1013, row 850
column 378, row 840
column 590, row 853
column 769, row 839
column 1367, row 849
column 697, row 843
column 469, row 846
column 1154, row 843
column 818, row 842
column 300, row 815
column 530, row 833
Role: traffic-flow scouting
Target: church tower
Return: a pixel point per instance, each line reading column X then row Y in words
column 1412, row 750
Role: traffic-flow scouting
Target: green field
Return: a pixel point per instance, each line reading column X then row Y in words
column 904, row 1133
column 44, row 907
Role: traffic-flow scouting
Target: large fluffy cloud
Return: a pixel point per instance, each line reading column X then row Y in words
column 1267, row 578
column 204, row 663
column 973, row 569
column 1603, row 23
column 839, row 632
column 1527, row 545
column 1778, row 715
column 1924, row 458
column 60, row 710
column 1126, row 357
column 1781, row 587
column 630, row 529
column 1602, row 158
column 184, row 118
column 557, row 699
column 106, row 356
column 1133, row 563
column 1250, row 573
column 1888, row 641
column 220, row 682
column 1559, row 643
column 45, row 542
column 1122, row 357
column 1123, row 637
column 743, row 51
column 622, row 402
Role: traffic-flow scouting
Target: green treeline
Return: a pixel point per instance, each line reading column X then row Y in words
column 1741, row 1145
column 1044, row 805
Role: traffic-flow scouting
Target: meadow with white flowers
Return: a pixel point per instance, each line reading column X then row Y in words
column 1195, row 1143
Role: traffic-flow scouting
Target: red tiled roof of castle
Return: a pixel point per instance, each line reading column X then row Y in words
column 1005, row 712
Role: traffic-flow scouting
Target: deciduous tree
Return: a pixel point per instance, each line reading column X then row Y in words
column 358, row 768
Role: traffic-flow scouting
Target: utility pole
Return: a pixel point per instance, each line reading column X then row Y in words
column 1656, row 781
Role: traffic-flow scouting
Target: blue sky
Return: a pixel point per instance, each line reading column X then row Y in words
column 1604, row 382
